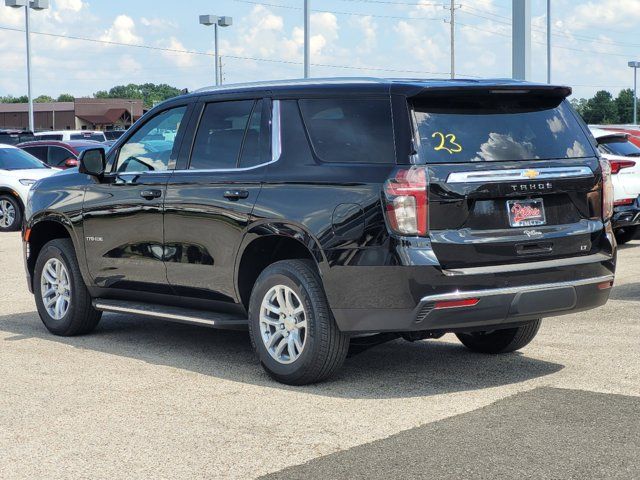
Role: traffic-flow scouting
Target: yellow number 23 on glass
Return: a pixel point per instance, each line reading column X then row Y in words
column 447, row 142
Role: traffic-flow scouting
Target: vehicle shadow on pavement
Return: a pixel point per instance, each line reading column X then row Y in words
column 394, row 370
column 626, row 291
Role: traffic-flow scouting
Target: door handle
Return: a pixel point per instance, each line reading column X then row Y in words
column 151, row 194
column 236, row 194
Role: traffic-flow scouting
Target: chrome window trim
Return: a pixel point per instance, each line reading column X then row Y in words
column 519, row 174
column 276, row 147
column 458, row 295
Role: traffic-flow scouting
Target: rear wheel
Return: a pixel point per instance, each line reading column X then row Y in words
column 10, row 214
column 500, row 341
column 626, row 234
column 62, row 298
column 291, row 327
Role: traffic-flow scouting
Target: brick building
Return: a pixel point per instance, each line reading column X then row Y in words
column 81, row 114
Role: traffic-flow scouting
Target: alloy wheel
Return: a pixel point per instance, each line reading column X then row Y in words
column 55, row 289
column 7, row 214
column 283, row 324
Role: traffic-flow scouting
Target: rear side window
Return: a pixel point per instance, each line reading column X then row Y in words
column 350, row 130
column 220, row 134
column 498, row 127
column 39, row 152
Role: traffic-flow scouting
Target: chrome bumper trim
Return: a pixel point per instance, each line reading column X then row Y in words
column 519, row 267
column 458, row 295
column 520, row 174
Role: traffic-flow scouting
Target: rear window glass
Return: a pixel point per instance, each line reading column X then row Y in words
column 498, row 127
column 620, row 147
column 350, row 130
column 51, row 136
column 98, row 137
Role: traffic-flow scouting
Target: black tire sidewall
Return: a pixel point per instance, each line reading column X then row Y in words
column 17, row 222
column 49, row 251
column 280, row 275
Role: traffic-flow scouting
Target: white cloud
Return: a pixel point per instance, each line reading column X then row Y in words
column 122, row 30
column 158, row 23
column 72, row 5
column 179, row 59
column 606, row 13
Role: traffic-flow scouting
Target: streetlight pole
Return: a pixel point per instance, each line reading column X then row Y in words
column 216, row 21
column 307, row 37
column 36, row 5
column 635, row 66
column 548, row 41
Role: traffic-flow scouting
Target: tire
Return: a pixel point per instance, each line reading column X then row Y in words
column 324, row 346
column 500, row 341
column 626, row 234
column 79, row 317
column 10, row 214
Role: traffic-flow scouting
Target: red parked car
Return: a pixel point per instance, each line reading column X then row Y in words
column 59, row 154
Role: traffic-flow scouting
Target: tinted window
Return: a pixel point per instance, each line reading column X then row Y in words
column 50, row 137
column 620, row 147
column 498, row 127
column 350, row 130
column 253, row 140
column 58, row 155
column 16, row 159
column 151, row 147
column 98, row 137
column 220, row 134
column 113, row 134
column 38, row 152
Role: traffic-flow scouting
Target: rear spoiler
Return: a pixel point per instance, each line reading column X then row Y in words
column 540, row 90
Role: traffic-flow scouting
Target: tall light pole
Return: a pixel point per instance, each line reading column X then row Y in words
column 521, row 41
column 548, row 41
column 635, row 66
column 36, row 5
column 307, row 37
column 216, row 21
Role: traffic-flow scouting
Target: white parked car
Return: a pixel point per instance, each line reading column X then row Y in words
column 66, row 135
column 18, row 172
column 624, row 158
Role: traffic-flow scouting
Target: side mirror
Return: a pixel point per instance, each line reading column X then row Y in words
column 70, row 163
column 92, row 162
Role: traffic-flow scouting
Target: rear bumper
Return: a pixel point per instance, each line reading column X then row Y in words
column 494, row 307
column 626, row 215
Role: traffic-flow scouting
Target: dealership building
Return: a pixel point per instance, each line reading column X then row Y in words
column 81, row 114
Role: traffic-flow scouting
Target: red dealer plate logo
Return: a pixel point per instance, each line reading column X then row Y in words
column 526, row 213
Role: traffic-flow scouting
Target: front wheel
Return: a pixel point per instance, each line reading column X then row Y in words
column 291, row 326
column 500, row 341
column 62, row 298
column 10, row 214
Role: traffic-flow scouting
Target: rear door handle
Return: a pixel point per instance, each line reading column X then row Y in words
column 151, row 194
column 236, row 194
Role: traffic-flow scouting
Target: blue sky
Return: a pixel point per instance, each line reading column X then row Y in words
column 593, row 40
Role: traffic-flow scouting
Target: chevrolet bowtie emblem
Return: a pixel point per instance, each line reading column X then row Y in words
column 531, row 174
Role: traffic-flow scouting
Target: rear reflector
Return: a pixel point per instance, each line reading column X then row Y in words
column 469, row 302
column 624, row 201
column 605, row 285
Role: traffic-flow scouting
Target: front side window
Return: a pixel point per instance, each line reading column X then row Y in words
column 350, row 130
column 152, row 147
column 59, row 155
column 498, row 127
column 220, row 135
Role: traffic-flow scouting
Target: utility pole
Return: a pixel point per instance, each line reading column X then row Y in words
column 221, row 77
column 452, row 9
column 548, row 41
column 307, row 35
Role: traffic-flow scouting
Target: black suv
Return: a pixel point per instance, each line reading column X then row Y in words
column 332, row 213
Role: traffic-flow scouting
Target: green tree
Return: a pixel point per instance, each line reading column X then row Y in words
column 600, row 109
column 149, row 93
column 624, row 105
column 579, row 104
column 66, row 97
column 43, row 99
column 12, row 99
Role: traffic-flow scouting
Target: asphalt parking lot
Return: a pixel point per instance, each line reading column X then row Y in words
column 148, row 399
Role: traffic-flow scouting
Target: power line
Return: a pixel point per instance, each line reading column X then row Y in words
column 355, row 14
column 237, row 57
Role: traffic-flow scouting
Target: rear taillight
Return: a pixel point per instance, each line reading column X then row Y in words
column 624, row 201
column 607, row 190
column 617, row 165
column 406, row 201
